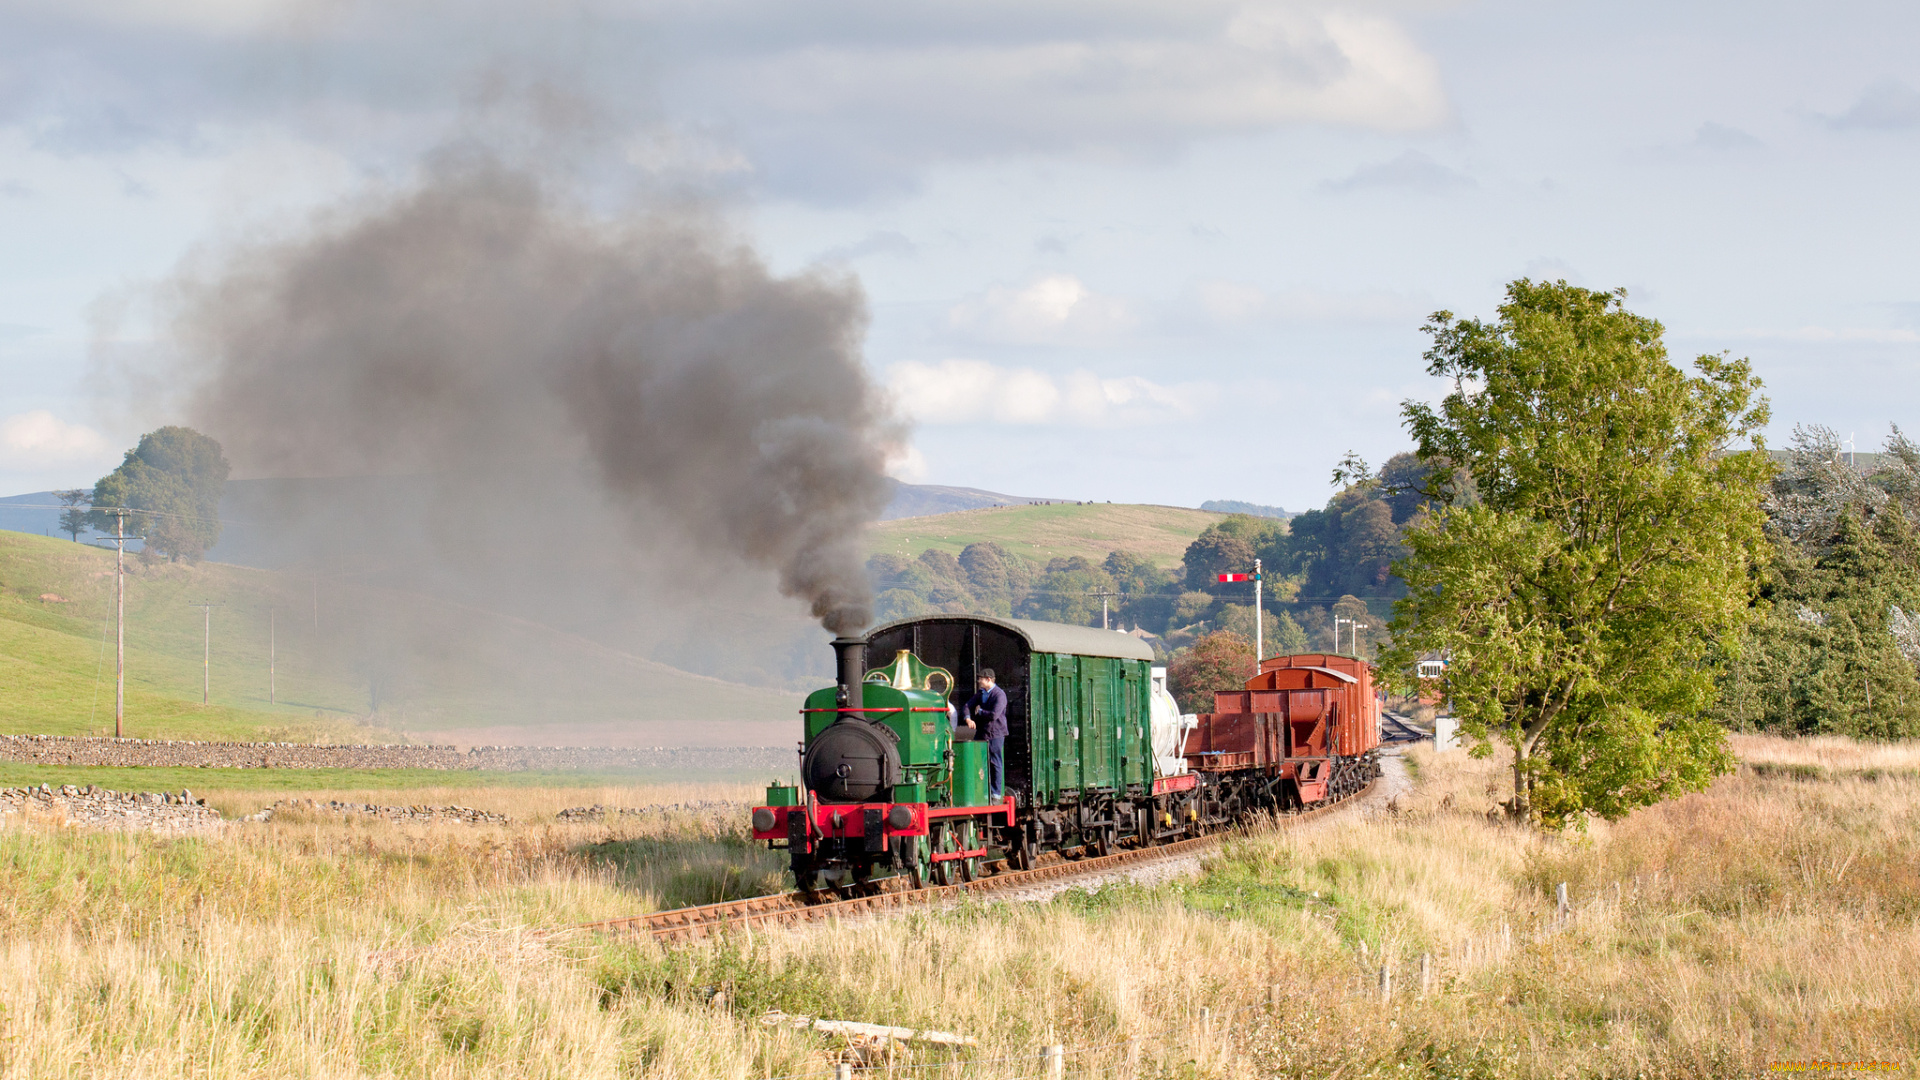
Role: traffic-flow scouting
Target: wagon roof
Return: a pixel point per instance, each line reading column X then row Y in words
column 1047, row 637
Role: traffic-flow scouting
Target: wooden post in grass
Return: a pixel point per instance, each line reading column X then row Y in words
column 1426, row 973
column 206, row 650
column 1274, row 995
column 1386, row 983
column 1560, row 907
column 1053, row 1061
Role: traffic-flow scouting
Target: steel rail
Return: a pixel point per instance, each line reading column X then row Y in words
column 786, row 909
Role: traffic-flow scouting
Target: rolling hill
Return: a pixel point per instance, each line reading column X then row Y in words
column 1043, row 531
column 352, row 662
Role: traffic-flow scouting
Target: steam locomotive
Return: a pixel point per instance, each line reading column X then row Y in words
column 1097, row 756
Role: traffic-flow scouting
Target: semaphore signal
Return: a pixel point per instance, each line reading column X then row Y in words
column 1258, row 614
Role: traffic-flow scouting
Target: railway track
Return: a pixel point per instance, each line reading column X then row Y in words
column 785, row 909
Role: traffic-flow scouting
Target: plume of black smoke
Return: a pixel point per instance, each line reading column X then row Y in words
column 484, row 333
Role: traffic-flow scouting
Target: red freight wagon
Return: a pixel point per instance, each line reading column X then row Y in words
column 1311, row 721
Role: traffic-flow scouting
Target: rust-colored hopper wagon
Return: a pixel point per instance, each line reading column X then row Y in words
column 1308, row 727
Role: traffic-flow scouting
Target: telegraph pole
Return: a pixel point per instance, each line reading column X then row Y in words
column 1103, row 607
column 120, row 539
column 206, row 650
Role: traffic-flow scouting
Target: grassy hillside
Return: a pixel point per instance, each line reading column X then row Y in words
column 1041, row 532
column 354, row 663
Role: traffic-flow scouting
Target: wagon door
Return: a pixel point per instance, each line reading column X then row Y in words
column 1065, row 722
column 1097, row 719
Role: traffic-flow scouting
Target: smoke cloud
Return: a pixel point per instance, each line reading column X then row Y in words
column 532, row 377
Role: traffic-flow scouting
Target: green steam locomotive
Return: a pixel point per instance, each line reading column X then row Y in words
column 1097, row 753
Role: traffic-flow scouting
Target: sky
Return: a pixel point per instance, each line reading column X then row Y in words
column 1140, row 252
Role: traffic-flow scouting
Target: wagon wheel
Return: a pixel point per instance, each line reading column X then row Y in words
column 1019, row 850
column 969, row 839
column 942, row 837
column 1103, row 841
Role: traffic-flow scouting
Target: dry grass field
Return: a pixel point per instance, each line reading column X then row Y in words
column 1770, row 919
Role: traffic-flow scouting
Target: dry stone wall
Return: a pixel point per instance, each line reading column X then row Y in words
column 99, row 808
column 77, row 750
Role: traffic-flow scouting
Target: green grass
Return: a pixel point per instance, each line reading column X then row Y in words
column 1041, row 533
column 319, row 780
column 476, row 670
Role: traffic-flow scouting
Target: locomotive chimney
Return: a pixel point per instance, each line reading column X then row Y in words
column 851, row 654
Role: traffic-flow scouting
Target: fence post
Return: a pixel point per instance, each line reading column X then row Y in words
column 1386, row 983
column 1560, row 908
column 1274, row 995
column 1426, row 972
column 1053, row 1061
column 843, row 1071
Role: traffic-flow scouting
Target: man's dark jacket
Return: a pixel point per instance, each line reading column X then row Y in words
column 992, row 704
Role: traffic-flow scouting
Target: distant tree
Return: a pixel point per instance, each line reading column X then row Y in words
column 1191, row 606
column 73, row 519
column 1147, row 593
column 1222, row 660
column 1349, row 547
column 1285, row 637
column 1068, row 592
column 174, row 478
column 1836, row 652
column 892, row 604
column 1589, row 599
column 1215, row 553
column 1403, row 481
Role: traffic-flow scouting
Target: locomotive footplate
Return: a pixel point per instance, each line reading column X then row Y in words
column 876, row 823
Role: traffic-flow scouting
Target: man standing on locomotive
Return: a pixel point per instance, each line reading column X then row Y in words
column 990, row 702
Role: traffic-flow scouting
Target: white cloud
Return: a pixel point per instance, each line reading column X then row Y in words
column 1057, row 309
column 41, row 440
column 977, row 392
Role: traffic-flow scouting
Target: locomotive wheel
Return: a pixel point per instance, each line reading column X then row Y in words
column 943, row 872
column 914, row 854
column 969, row 839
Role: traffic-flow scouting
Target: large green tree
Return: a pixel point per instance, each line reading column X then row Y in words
column 1588, row 598
column 173, row 481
